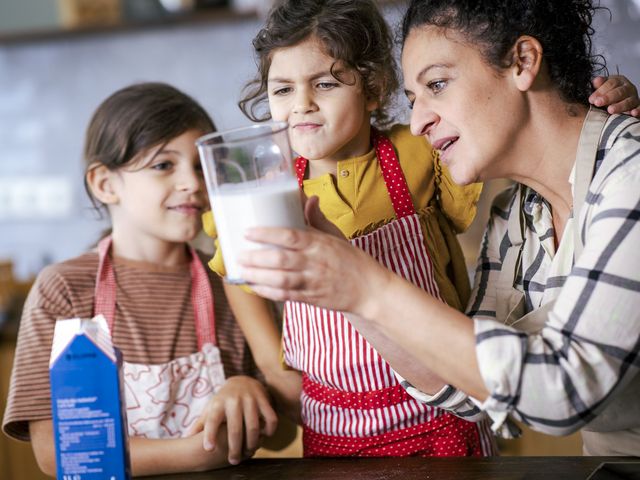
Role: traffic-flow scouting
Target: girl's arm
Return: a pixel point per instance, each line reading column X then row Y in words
column 256, row 317
column 148, row 456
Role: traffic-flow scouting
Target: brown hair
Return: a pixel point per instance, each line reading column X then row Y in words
column 136, row 118
column 352, row 32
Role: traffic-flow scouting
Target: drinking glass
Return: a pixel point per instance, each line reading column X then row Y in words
column 251, row 182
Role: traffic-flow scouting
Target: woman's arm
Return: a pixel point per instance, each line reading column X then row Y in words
column 148, row 456
column 398, row 318
column 256, row 317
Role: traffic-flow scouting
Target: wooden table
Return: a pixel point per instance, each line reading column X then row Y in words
column 500, row 468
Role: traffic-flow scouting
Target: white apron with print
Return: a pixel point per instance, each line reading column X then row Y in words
column 165, row 400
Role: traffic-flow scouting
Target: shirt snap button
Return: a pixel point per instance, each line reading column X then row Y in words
column 344, row 173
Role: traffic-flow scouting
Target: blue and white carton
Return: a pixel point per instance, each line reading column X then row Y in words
column 87, row 402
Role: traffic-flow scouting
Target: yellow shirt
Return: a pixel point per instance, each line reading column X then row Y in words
column 357, row 202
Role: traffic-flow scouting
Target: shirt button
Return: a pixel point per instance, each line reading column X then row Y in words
column 344, row 173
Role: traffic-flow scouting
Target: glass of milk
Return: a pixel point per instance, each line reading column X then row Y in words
column 251, row 183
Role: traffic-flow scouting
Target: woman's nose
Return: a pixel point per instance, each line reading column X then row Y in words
column 423, row 119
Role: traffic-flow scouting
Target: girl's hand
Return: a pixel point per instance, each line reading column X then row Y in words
column 241, row 401
column 616, row 93
column 313, row 267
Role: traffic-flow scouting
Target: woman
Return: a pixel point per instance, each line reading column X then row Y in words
column 555, row 331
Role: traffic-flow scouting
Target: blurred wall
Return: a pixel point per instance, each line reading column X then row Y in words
column 48, row 90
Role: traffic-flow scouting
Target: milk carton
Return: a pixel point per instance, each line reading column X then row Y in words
column 87, row 402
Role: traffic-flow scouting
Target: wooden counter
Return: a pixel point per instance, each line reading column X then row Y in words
column 499, row 468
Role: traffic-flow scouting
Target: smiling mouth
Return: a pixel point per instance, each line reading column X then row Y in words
column 189, row 209
column 446, row 145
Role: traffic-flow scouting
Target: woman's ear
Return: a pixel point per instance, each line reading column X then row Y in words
column 527, row 62
column 100, row 181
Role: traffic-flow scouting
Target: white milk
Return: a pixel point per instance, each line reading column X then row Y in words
column 237, row 207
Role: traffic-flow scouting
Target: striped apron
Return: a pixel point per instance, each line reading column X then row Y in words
column 164, row 400
column 352, row 403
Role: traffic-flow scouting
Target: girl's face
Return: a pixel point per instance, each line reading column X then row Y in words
column 328, row 120
column 468, row 110
column 161, row 195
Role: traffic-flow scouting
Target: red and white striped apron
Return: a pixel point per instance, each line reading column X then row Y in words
column 164, row 400
column 352, row 403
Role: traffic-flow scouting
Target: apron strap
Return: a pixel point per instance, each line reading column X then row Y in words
column 201, row 294
column 392, row 174
column 202, row 301
column 585, row 165
column 104, row 299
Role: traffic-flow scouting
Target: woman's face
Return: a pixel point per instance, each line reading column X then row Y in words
column 467, row 109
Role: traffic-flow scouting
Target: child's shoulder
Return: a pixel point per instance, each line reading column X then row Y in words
column 74, row 271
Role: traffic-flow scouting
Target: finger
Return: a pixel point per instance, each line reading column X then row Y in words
column 211, row 427
column 275, row 294
column 611, row 91
column 282, row 295
column 251, row 424
column 277, row 259
column 269, row 417
column 196, row 427
column 290, row 238
column 635, row 112
column 274, row 278
column 623, row 106
column 234, row 432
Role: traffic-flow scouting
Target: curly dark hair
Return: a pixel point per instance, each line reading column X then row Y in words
column 563, row 27
column 352, row 32
column 136, row 118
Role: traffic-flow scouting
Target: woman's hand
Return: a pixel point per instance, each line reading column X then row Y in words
column 616, row 93
column 244, row 405
column 313, row 266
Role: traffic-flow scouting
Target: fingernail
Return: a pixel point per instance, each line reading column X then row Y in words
column 234, row 461
column 208, row 446
column 599, row 102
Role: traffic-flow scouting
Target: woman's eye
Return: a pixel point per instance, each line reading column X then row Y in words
column 437, row 86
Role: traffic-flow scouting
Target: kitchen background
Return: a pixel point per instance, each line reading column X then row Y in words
column 59, row 60
column 50, row 84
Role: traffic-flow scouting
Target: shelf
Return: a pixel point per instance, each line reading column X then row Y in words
column 209, row 15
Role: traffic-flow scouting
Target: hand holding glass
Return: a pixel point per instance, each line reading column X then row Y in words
column 251, row 183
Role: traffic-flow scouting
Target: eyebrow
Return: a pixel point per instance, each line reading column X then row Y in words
column 429, row 67
column 313, row 76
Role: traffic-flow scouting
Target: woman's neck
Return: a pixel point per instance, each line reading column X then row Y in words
column 551, row 153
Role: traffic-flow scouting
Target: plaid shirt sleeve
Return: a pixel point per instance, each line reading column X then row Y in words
column 589, row 348
column 482, row 305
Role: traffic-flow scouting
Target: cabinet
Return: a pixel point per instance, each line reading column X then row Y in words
column 16, row 458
